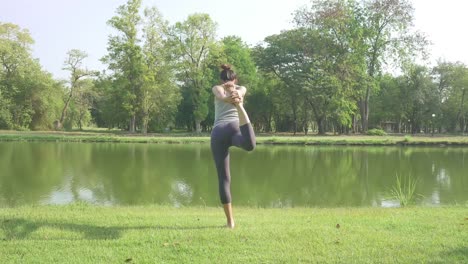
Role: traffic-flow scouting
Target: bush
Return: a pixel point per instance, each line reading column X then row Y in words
column 376, row 132
column 408, row 138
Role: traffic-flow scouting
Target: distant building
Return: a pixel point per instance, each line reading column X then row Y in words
column 389, row 126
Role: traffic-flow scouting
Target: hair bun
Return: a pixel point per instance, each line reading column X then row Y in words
column 226, row 67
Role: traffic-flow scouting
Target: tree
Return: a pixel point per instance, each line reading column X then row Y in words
column 125, row 58
column 46, row 99
column 192, row 41
column 377, row 31
column 452, row 81
column 108, row 107
column 29, row 96
column 418, row 94
column 239, row 55
column 387, row 103
column 74, row 64
column 159, row 94
column 143, row 82
column 82, row 104
column 264, row 100
column 233, row 51
column 284, row 56
column 314, row 72
column 461, row 89
column 14, row 56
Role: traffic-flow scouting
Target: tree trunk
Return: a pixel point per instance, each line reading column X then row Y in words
column 294, row 107
column 461, row 114
column 144, row 128
column 145, row 121
column 59, row 125
column 267, row 127
column 321, row 126
column 364, row 109
column 305, row 120
column 133, row 124
column 355, row 125
column 466, row 126
column 198, row 126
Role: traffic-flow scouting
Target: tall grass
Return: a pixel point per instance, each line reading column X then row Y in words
column 404, row 190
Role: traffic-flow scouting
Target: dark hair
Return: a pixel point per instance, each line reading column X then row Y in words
column 227, row 74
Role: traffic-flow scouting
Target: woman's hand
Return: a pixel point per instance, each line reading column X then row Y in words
column 233, row 94
column 228, row 93
column 229, row 85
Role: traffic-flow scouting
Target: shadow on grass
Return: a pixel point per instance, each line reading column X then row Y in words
column 459, row 254
column 22, row 229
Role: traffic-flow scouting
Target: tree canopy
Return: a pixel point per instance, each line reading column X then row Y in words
column 335, row 71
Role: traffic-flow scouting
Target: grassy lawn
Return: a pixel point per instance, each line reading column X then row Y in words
column 81, row 233
column 280, row 139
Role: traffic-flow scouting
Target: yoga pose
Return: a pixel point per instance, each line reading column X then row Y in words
column 231, row 128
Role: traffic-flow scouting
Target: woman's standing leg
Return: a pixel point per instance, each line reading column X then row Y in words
column 220, row 143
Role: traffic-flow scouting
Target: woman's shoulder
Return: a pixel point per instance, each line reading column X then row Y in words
column 241, row 89
column 217, row 87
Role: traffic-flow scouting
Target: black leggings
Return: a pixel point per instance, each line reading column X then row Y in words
column 224, row 136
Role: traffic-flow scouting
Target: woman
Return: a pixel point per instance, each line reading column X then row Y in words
column 231, row 128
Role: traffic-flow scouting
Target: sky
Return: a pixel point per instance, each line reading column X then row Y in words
column 58, row 26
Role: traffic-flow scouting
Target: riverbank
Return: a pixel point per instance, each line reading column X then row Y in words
column 182, row 138
column 82, row 233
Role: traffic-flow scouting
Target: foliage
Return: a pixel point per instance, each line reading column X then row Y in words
column 192, row 41
column 125, row 58
column 324, row 75
column 374, row 32
column 417, row 96
column 452, row 82
column 264, row 100
column 376, row 132
column 29, row 97
column 76, row 93
column 314, row 75
column 233, row 51
column 142, row 88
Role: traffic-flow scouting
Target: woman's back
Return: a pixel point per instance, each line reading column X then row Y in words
column 225, row 112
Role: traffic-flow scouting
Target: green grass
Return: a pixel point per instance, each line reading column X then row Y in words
column 182, row 138
column 404, row 190
column 83, row 233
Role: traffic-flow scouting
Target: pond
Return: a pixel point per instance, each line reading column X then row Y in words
column 184, row 175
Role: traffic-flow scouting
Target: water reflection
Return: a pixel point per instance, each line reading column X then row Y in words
column 271, row 176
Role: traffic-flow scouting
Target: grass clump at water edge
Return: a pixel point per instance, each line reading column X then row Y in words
column 404, row 190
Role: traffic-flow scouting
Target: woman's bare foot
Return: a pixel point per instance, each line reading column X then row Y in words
column 230, row 224
column 229, row 216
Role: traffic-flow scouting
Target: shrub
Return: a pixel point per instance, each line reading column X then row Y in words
column 376, row 132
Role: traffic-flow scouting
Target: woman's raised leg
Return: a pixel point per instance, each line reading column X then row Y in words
column 246, row 138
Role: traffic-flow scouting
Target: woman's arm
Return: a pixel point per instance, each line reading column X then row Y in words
column 219, row 93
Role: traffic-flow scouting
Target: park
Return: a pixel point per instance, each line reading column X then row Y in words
column 360, row 146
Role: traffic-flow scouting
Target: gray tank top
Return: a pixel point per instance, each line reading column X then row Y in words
column 225, row 112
